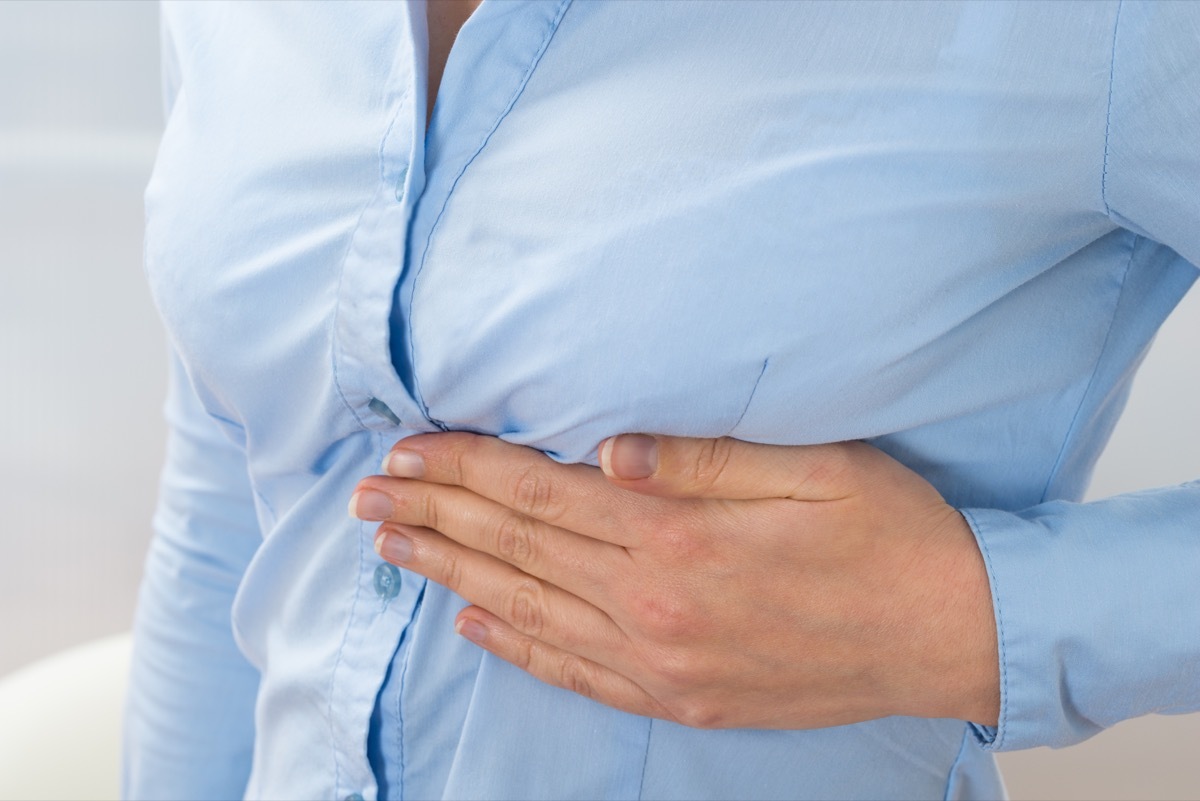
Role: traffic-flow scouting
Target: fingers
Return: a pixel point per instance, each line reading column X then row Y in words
column 575, row 497
column 556, row 666
column 527, row 604
column 682, row 467
column 581, row 565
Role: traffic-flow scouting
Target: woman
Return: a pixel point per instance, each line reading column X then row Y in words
column 948, row 230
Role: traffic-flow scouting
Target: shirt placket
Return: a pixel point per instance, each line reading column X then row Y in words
column 385, row 597
column 374, row 300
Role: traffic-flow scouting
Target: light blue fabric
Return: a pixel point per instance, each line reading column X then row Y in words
column 951, row 230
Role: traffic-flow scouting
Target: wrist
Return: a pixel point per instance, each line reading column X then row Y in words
column 961, row 679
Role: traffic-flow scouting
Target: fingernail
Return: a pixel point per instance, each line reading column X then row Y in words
column 370, row 505
column 629, row 456
column 394, row 547
column 404, row 464
column 473, row 630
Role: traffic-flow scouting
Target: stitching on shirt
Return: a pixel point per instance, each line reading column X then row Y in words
column 962, row 749
column 1087, row 392
column 1112, row 68
column 400, row 688
column 337, row 306
column 337, row 660
column 335, row 345
column 1002, row 723
column 335, row 341
column 753, row 392
column 645, row 761
column 387, row 134
column 412, row 361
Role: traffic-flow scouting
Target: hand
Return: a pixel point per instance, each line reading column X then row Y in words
column 715, row 583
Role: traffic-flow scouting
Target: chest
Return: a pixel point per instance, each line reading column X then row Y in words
column 667, row 217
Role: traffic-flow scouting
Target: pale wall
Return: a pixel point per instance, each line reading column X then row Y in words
column 81, row 355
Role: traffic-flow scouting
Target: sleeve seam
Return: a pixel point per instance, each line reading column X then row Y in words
column 1112, row 68
column 1086, row 396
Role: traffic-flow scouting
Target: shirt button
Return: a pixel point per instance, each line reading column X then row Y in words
column 401, row 175
column 354, row 797
column 380, row 408
column 387, row 581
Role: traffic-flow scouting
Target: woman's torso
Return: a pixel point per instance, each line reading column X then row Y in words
column 785, row 223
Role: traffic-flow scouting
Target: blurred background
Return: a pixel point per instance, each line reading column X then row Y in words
column 82, row 358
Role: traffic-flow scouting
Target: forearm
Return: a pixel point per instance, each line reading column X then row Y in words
column 189, row 726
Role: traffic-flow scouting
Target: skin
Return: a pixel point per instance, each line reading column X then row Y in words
column 715, row 583
column 444, row 18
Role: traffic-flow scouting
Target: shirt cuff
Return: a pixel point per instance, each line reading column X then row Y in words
column 1034, row 610
column 1089, row 621
column 985, row 525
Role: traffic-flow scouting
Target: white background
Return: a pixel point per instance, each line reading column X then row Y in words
column 82, row 355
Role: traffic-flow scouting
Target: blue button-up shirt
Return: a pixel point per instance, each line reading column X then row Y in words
column 949, row 229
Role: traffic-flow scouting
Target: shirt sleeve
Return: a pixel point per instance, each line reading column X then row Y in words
column 189, row 718
column 1097, row 607
column 1151, row 179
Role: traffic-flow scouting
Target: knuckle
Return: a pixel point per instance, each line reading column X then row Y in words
column 709, row 462
column 573, row 676
column 533, row 494
column 834, row 469
column 514, row 540
column 663, row 616
column 522, row 653
column 427, row 510
column 525, row 607
column 451, row 571
column 697, row 713
column 460, row 448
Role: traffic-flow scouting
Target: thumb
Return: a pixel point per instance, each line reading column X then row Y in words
column 684, row 467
